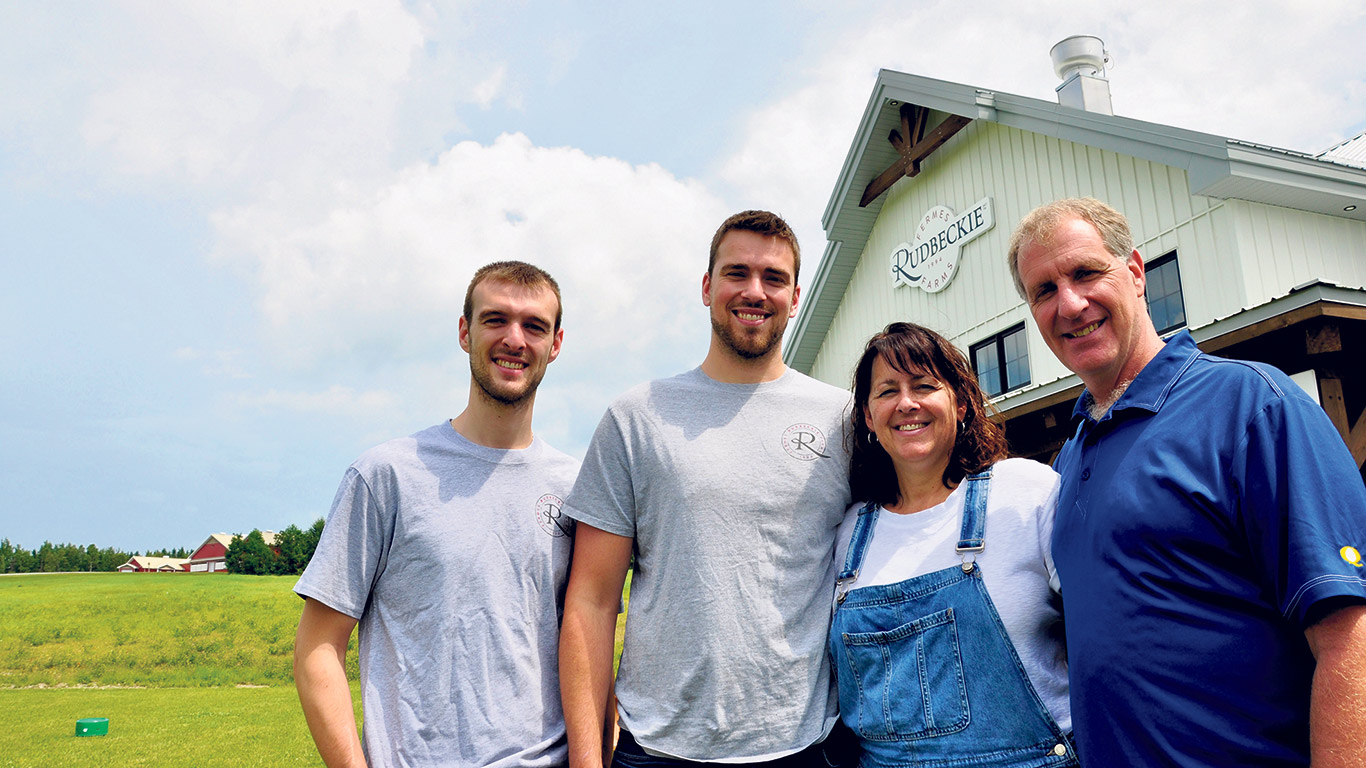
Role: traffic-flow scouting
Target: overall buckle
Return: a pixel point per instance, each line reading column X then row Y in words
column 969, row 555
column 842, row 586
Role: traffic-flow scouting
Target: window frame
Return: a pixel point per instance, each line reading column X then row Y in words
column 998, row 340
column 1161, row 261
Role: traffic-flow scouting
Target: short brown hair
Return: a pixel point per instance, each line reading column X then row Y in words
column 1040, row 224
column 761, row 222
column 910, row 348
column 518, row 273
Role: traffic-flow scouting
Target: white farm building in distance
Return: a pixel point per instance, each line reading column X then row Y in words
column 1259, row 251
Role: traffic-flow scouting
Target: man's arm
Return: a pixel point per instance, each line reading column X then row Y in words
column 1337, row 703
column 320, row 676
column 587, row 638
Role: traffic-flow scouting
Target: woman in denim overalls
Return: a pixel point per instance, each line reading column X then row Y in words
column 946, row 637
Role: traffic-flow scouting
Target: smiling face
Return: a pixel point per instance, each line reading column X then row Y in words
column 752, row 293
column 511, row 338
column 914, row 417
column 1089, row 305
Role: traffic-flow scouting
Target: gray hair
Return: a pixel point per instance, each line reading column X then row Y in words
column 1042, row 222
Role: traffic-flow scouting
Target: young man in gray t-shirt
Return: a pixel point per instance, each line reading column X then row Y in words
column 727, row 483
column 449, row 550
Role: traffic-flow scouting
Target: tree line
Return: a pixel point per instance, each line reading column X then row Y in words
column 293, row 549
column 247, row 554
column 52, row 558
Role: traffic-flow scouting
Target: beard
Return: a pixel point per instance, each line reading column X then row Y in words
column 748, row 345
column 483, row 378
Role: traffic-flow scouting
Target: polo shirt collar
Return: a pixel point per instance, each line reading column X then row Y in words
column 1152, row 385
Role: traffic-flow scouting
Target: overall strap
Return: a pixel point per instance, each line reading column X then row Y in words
column 858, row 547
column 971, row 539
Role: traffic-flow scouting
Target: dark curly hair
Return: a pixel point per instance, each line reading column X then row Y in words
column 910, row 349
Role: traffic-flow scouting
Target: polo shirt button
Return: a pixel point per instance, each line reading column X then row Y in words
column 1086, row 474
column 1059, row 750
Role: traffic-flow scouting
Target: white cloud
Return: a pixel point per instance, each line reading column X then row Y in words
column 619, row 238
column 335, row 400
column 230, row 100
column 1289, row 74
column 154, row 124
column 379, row 282
column 489, row 88
column 217, row 92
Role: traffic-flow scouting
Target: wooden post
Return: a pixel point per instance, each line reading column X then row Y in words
column 1335, row 405
column 1356, row 440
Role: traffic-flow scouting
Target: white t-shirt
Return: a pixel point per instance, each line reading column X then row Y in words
column 1017, row 564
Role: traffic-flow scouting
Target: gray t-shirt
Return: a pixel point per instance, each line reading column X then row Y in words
column 733, row 494
column 454, row 557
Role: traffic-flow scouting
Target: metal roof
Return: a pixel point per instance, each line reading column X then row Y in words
column 226, row 540
column 1216, row 167
column 155, row 563
column 1350, row 152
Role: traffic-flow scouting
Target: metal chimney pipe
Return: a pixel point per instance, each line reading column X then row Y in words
column 1080, row 61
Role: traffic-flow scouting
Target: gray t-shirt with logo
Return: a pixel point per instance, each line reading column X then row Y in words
column 454, row 557
column 733, row 494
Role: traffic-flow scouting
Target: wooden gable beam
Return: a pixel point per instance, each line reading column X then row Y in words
column 912, row 145
column 913, row 120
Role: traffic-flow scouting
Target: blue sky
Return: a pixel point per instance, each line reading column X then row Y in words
column 235, row 237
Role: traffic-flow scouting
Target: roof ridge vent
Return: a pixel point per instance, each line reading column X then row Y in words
column 1080, row 61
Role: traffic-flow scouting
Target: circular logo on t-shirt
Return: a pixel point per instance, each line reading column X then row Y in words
column 1351, row 555
column 550, row 517
column 805, row 442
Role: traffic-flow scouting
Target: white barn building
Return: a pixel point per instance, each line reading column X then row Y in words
column 1260, row 252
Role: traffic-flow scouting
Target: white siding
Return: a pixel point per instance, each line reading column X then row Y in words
column 1233, row 255
column 1019, row 170
column 1282, row 248
column 1211, row 272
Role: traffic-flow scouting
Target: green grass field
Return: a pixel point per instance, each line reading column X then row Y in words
column 152, row 629
column 156, row 727
column 186, row 641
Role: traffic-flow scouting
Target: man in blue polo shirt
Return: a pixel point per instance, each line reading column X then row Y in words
column 1209, row 530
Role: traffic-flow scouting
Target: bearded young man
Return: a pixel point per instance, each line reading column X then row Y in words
column 449, row 551
column 727, row 483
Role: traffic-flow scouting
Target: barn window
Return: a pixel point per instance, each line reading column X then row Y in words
column 1165, row 304
column 1002, row 361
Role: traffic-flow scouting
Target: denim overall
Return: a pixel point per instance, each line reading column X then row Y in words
column 927, row 675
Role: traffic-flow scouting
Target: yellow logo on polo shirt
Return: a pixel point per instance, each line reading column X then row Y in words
column 1351, row 555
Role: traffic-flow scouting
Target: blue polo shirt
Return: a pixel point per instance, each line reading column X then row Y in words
column 1198, row 522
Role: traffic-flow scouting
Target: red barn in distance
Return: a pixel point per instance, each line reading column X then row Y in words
column 211, row 556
